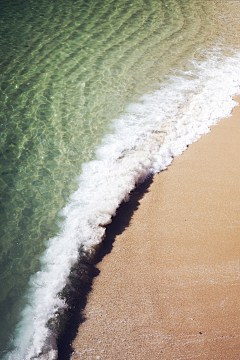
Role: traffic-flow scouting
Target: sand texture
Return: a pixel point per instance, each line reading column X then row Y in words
column 170, row 287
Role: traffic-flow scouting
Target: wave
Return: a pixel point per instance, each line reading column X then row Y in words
column 144, row 141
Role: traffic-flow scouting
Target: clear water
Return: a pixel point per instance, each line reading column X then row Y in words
column 67, row 69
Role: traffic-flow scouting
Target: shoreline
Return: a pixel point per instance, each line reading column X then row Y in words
column 169, row 286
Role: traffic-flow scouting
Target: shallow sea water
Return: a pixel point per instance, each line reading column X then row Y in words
column 69, row 70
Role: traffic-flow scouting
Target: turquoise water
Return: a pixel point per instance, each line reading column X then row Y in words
column 67, row 69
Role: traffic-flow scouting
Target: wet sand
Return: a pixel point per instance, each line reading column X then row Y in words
column 170, row 287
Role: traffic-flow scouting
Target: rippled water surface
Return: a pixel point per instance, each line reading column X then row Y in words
column 67, row 69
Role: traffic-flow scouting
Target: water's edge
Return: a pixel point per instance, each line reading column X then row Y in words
column 86, row 270
column 145, row 140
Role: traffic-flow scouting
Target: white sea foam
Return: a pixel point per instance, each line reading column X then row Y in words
column 145, row 139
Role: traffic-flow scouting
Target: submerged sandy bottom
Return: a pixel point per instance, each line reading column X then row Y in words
column 169, row 289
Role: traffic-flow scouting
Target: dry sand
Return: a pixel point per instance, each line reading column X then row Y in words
column 170, row 287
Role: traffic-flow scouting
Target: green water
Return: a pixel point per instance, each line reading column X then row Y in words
column 67, row 69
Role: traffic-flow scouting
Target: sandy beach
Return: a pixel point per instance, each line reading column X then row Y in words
column 169, row 289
